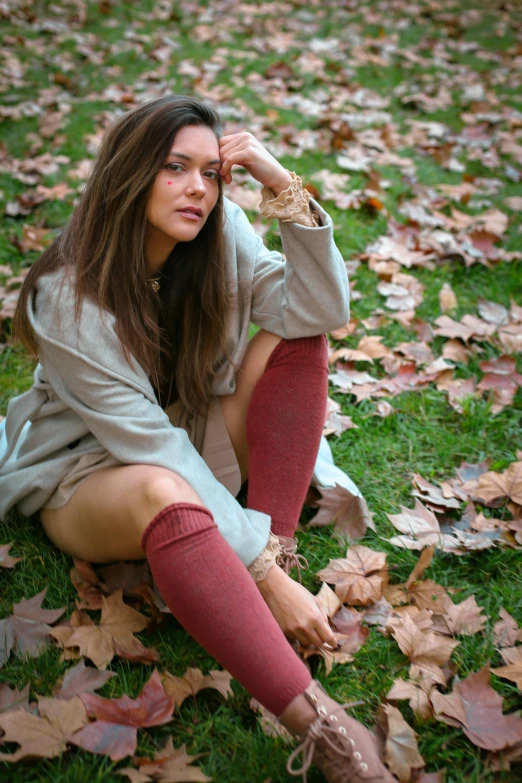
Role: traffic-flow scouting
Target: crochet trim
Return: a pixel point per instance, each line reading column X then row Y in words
column 268, row 558
column 292, row 205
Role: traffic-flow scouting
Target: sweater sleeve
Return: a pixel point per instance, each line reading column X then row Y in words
column 118, row 406
column 306, row 295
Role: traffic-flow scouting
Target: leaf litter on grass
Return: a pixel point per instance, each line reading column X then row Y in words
column 419, row 231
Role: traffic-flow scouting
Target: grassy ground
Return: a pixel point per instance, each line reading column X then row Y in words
column 425, row 435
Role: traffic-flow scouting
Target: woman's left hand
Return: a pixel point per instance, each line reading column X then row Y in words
column 243, row 149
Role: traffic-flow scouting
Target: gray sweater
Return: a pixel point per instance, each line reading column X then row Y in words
column 84, row 390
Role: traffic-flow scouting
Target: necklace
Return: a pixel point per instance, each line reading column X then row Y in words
column 154, row 283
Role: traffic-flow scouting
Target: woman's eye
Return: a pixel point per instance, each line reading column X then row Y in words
column 174, row 166
column 213, row 174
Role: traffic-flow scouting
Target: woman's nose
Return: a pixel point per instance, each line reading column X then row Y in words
column 197, row 185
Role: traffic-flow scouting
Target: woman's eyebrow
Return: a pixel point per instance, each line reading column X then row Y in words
column 186, row 157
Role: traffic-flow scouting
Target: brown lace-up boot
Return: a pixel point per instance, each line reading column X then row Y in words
column 289, row 558
column 341, row 747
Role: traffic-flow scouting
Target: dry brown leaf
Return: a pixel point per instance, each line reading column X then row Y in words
column 401, row 751
column 13, row 699
column 349, row 513
column 193, row 681
column 421, row 565
column 355, row 578
column 114, row 732
column 512, row 671
column 465, row 618
column 328, row 599
column 493, row 487
column 81, row 679
column 177, row 767
column 429, row 595
column 113, row 636
column 45, row 736
column 26, row 631
column 447, row 298
column 484, row 724
column 418, row 699
column 7, row 560
column 506, row 631
column 422, row 647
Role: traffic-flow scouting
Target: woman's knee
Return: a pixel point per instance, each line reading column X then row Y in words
column 161, row 488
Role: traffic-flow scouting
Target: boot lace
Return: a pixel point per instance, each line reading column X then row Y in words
column 289, row 559
column 320, row 729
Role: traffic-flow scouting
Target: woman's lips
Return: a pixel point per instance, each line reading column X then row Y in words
column 189, row 215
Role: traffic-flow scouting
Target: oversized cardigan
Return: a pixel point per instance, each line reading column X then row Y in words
column 86, row 398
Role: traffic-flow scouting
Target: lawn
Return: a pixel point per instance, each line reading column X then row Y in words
column 280, row 69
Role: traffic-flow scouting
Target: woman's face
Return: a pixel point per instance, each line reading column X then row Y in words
column 184, row 192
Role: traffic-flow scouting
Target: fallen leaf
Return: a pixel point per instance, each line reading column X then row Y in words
column 485, row 725
column 506, row 631
column 422, row 647
column 348, row 512
column 401, row 750
column 26, row 631
column 418, row 699
column 46, row 736
column 193, row 681
column 7, row 560
column 113, row 636
column 355, row 576
column 494, row 486
column 447, row 298
column 114, row 732
column 13, row 699
column 328, row 599
column 81, row 679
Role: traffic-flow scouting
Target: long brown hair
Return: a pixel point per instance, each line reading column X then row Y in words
column 179, row 335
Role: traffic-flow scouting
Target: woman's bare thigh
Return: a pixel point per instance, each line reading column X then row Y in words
column 106, row 516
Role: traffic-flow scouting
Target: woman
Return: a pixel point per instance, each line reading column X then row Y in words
column 146, row 382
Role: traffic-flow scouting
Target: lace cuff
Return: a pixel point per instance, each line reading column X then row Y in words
column 262, row 564
column 292, row 205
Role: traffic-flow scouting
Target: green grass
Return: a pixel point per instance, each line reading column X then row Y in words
column 424, row 434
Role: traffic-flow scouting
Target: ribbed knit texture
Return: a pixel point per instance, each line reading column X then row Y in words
column 210, row 592
column 284, row 425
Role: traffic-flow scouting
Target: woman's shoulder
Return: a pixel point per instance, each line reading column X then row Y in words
column 52, row 308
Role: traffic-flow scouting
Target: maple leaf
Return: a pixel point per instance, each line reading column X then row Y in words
column 417, row 697
column 328, row 599
column 401, row 750
column 193, row 681
column 269, row 723
column 477, row 710
column 7, row 560
column 174, row 765
column 493, row 486
column 421, row 529
column 355, row 575
column 378, row 613
column 423, row 647
column 45, row 736
column 348, row 623
column 429, row 595
column 81, row 679
column 506, row 631
column 347, row 511
column 25, row 632
column 113, row 636
column 512, row 671
column 346, row 645
column 114, row 732
column 465, row 618
column 421, row 565
column 11, row 698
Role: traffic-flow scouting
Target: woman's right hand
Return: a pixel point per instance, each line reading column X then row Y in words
column 296, row 610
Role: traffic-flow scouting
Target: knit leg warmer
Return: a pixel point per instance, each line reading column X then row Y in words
column 284, row 425
column 210, row 592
